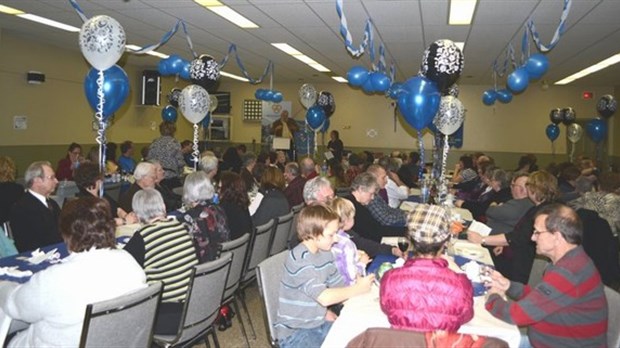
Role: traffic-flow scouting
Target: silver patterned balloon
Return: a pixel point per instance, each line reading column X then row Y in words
column 194, row 103
column 307, row 95
column 102, row 41
column 450, row 116
column 574, row 132
column 213, row 102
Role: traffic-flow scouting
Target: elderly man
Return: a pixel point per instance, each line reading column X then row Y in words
column 308, row 168
column 208, row 164
column 379, row 208
column 145, row 176
column 568, row 308
column 294, row 190
column 503, row 217
column 34, row 217
column 363, row 189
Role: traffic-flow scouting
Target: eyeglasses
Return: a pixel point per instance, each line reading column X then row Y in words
column 49, row 177
column 537, row 233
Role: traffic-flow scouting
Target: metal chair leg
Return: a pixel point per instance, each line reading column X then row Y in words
column 236, row 307
column 247, row 313
column 216, row 343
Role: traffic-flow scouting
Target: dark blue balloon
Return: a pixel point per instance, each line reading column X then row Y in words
column 380, row 82
column 277, row 97
column 504, row 96
column 433, row 128
column 325, row 126
column 315, row 116
column 169, row 113
column 357, row 75
column 367, row 87
column 552, row 131
column 259, row 94
column 115, row 89
column 597, row 129
column 518, row 80
column 164, row 67
column 489, row 96
column 268, row 96
column 537, row 65
column 457, row 138
column 184, row 72
column 206, row 121
column 175, row 63
column 395, row 89
column 420, row 102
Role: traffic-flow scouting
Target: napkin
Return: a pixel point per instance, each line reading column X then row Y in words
column 14, row 272
column 38, row 256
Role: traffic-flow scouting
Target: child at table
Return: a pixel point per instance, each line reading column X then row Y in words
column 311, row 282
column 350, row 261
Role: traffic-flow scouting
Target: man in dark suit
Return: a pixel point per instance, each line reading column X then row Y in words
column 34, row 218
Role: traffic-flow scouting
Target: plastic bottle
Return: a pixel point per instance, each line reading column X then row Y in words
column 324, row 168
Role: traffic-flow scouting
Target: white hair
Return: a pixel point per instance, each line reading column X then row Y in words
column 197, row 187
column 148, row 204
column 143, row 169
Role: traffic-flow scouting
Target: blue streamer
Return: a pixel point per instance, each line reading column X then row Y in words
column 346, row 34
column 558, row 31
column 78, row 10
column 233, row 49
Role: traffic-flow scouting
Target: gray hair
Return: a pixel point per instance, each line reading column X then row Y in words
column 313, row 186
column 584, row 184
column 292, row 168
column 248, row 158
column 143, row 169
column 148, row 204
column 501, row 177
column 208, row 163
column 35, row 170
column 563, row 219
column 365, row 182
column 197, row 187
column 307, row 165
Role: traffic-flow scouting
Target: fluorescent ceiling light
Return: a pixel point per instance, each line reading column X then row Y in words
column 227, row 13
column 10, row 10
column 340, row 79
column 304, row 58
column 233, row 76
column 590, row 70
column 290, row 50
column 460, row 45
column 152, row 53
column 49, row 22
column 461, row 12
column 286, row 48
column 319, row 67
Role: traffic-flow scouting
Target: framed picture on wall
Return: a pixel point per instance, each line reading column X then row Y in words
column 220, row 128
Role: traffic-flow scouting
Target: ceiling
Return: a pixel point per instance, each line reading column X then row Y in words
column 405, row 27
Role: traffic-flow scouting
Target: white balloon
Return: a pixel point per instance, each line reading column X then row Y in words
column 194, row 103
column 574, row 132
column 307, row 95
column 213, row 101
column 450, row 116
column 102, row 41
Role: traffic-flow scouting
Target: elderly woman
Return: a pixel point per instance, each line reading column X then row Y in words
column 10, row 191
column 605, row 201
column 171, row 199
column 208, row 164
column 465, row 178
column 145, row 177
column 274, row 203
column 164, row 248
column 498, row 182
column 235, row 201
column 167, row 150
column 448, row 296
column 542, row 189
column 205, row 220
column 53, row 300
column 89, row 179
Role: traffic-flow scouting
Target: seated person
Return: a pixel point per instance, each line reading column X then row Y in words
column 311, row 282
column 465, row 178
column 205, row 220
column 274, row 203
column 498, row 182
column 67, row 165
column 350, row 261
column 145, row 177
column 150, row 246
column 295, row 184
column 378, row 207
column 171, row 199
column 126, row 162
column 10, row 191
column 449, row 295
column 54, row 300
column 568, row 307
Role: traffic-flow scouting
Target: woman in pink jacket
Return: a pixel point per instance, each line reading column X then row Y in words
column 425, row 295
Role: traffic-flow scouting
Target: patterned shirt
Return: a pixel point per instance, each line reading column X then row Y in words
column 167, row 151
column 607, row 205
column 345, row 255
column 386, row 215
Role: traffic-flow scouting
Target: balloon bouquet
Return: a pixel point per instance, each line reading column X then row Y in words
column 102, row 42
column 321, row 106
column 553, row 131
column 597, row 127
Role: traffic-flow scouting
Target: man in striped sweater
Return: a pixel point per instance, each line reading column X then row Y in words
column 568, row 308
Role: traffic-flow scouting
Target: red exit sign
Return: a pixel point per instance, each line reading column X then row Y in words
column 587, row 95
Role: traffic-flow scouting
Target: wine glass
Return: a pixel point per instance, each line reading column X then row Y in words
column 403, row 246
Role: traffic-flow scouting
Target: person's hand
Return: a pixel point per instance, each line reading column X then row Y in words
column 330, row 316
column 498, row 284
column 498, row 250
column 364, row 283
column 362, row 257
column 474, row 237
column 459, row 203
column 396, row 252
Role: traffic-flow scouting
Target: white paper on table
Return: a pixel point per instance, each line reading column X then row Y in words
column 14, row 272
column 255, row 203
column 480, row 228
column 393, row 241
column 37, row 256
column 407, row 206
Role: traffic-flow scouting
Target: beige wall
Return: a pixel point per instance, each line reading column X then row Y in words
column 58, row 113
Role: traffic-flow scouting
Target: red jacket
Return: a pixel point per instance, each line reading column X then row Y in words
column 424, row 295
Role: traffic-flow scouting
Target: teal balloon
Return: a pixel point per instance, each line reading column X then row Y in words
column 537, row 65
column 597, row 129
column 315, row 116
column 489, row 96
column 115, row 89
column 552, row 131
column 419, row 102
column 169, row 113
column 357, row 75
column 504, row 96
column 518, row 80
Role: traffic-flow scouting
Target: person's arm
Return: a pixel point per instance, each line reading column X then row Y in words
column 494, row 240
column 135, row 247
column 371, row 247
column 386, row 215
column 332, row 296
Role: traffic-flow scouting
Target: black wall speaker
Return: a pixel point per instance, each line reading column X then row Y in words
column 151, row 87
column 35, row 77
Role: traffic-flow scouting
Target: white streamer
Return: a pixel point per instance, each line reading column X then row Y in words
column 101, row 139
column 195, row 153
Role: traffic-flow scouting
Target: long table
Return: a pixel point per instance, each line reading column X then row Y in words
column 362, row 312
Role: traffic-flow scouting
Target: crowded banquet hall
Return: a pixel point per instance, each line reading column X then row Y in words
column 309, row 173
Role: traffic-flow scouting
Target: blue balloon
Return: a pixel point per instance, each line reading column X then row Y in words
column 420, row 102
column 206, row 121
column 380, row 82
column 175, row 63
column 169, row 113
column 164, row 67
column 518, row 80
column 184, row 73
column 489, row 96
column 457, row 137
column 277, row 97
column 357, row 75
column 115, row 89
column 315, row 117
column 259, row 94
column 597, row 129
column 537, row 65
column 552, row 131
column 395, row 89
column 433, row 128
column 504, row 96
column 268, row 96
column 325, row 126
column 367, row 87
